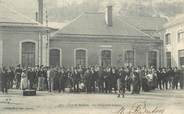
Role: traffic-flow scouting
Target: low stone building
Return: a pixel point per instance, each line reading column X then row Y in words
column 100, row 38
column 22, row 40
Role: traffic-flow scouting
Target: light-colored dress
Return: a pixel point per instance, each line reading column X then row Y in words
column 24, row 81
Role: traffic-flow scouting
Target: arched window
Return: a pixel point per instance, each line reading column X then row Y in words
column 54, row 58
column 168, row 38
column 28, row 54
column 106, row 58
column 80, row 57
column 152, row 58
column 129, row 57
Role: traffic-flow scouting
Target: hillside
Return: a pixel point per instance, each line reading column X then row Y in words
column 60, row 10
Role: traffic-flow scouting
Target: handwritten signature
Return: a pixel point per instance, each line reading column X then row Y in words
column 141, row 108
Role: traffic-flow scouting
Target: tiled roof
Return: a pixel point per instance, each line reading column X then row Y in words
column 93, row 23
column 11, row 17
column 145, row 23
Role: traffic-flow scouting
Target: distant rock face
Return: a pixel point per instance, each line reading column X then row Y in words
column 59, row 9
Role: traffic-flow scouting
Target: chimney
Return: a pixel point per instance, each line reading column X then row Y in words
column 108, row 15
column 40, row 11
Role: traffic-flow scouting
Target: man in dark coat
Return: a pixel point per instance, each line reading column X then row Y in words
column 107, row 80
column 87, row 80
column 11, row 77
column 170, row 77
column 35, row 74
column 4, row 80
column 182, row 78
column 176, row 78
column 93, row 78
column 136, row 81
column 56, row 80
column 61, row 80
column 101, row 79
column 41, row 79
column 165, row 78
column 31, row 78
column 122, row 78
column 129, row 79
column 159, row 78
column 114, row 77
column 45, row 84
column 0, row 79
column 76, row 80
column 18, row 73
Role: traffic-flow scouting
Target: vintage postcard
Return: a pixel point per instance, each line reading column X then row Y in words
column 91, row 57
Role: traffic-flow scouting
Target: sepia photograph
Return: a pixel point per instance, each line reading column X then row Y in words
column 91, row 56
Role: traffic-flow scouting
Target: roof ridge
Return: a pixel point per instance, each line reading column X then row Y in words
column 67, row 24
column 102, row 30
column 135, row 28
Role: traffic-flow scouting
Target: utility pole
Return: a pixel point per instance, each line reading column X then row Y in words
column 47, row 40
column 40, row 11
column 40, row 20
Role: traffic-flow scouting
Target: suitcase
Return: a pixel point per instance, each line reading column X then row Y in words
column 29, row 93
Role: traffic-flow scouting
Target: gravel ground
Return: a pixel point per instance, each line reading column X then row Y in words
column 155, row 102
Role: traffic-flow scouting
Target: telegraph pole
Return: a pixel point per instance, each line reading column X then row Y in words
column 40, row 11
column 40, row 20
column 47, row 40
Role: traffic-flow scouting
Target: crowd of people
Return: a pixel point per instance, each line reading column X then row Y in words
column 91, row 79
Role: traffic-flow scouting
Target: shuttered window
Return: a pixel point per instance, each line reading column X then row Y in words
column 129, row 57
column 54, row 59
column 28, row 54
column 181, row 57
column 152, row 58
column 106, row 58
column 168, row 58
column 80, row 57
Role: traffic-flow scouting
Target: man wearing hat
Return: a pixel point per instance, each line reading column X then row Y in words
column 18, row 73
column 4, row 80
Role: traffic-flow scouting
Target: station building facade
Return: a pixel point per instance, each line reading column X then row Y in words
column 93, row 38
column 100, row 38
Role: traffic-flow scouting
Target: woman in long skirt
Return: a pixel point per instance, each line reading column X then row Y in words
column 24, row 80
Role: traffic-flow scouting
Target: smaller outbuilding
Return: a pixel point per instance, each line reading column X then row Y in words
column 22, row 40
